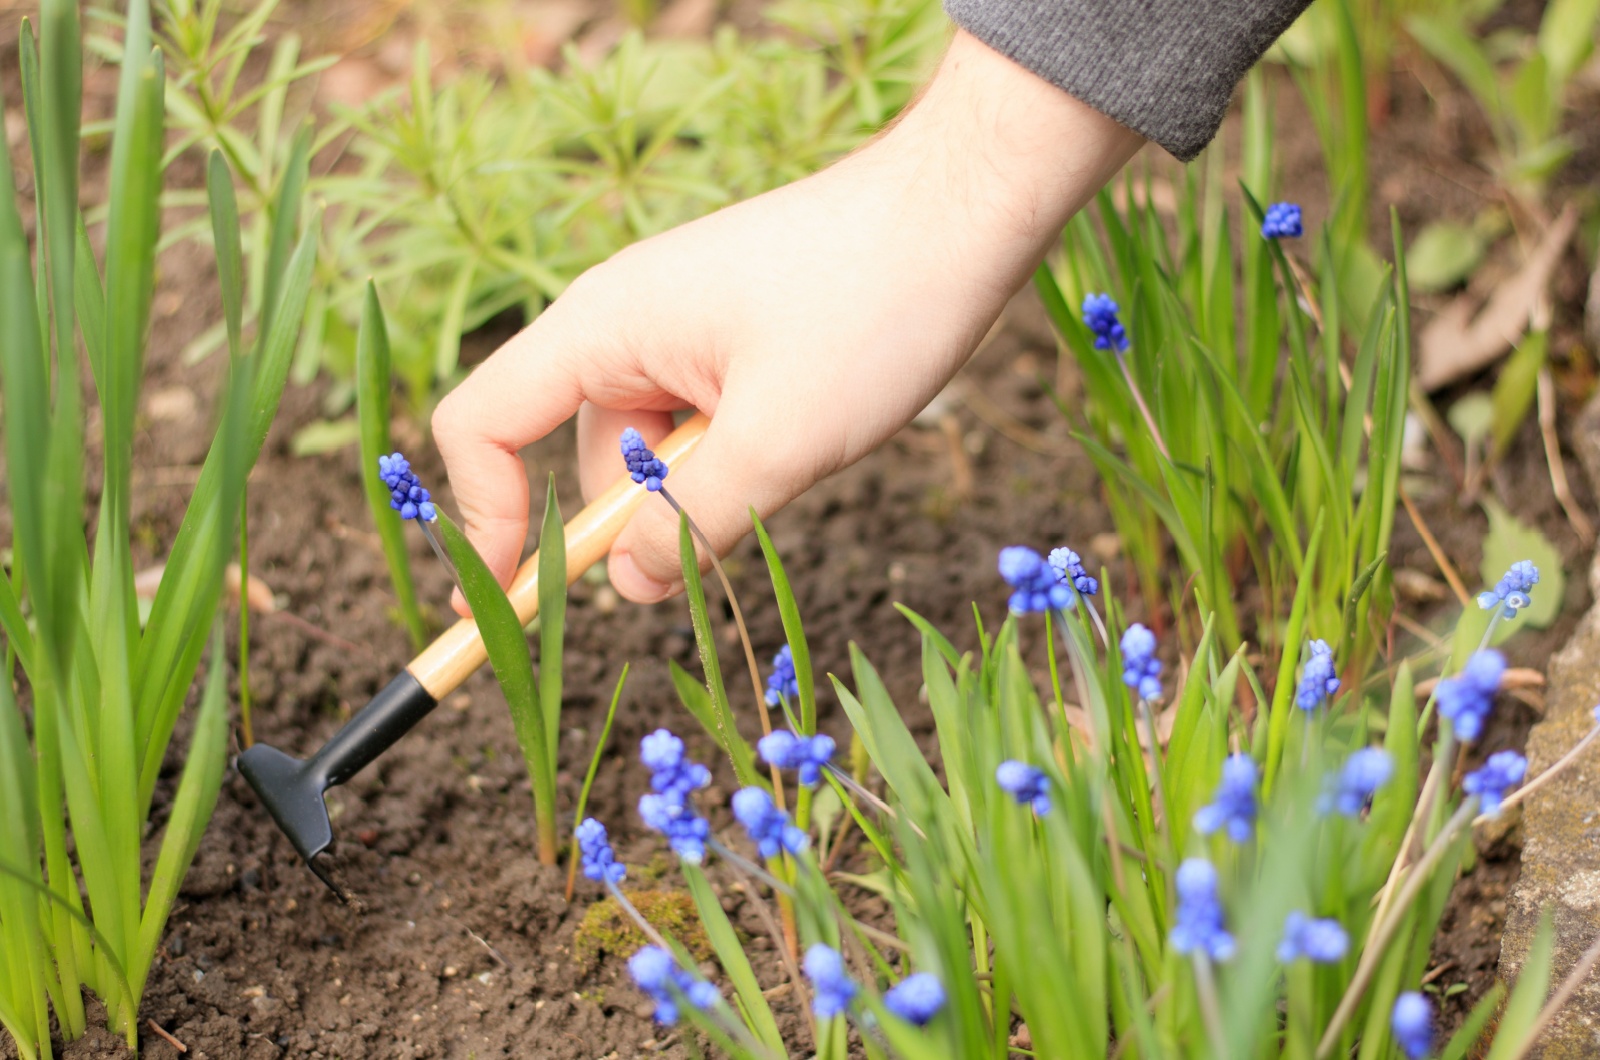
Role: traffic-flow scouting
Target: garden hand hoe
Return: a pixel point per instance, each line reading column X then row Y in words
column 292, row 789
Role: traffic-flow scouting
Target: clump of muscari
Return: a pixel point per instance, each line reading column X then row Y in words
column 1362, row 774
column 1320, row 941
column 1512, row 592
column 1100, row 316
column 832, row 989
column 644, row 466
column 916, row 998
column 1024, row 783
column 1281, row 221
column 769, row 827
column 1234, row 805
column 1412, row 1023
column 594, row 849
column 782, row 681
column 1502, row 771
column 1036, row 585
column 1069, row 567
column 657, row 973
column 1141, row 670
column 1318, row 679
column 668, row 809
column 1198, row 927
column 1467, row 698
column 406, row 493
column 807, row 755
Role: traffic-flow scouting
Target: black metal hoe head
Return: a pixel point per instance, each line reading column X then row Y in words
column 292, row 789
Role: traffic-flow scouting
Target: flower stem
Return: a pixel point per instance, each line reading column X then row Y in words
column 1144, row 410
column 1206, row 986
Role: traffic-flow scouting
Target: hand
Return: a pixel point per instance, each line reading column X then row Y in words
column 811, row 323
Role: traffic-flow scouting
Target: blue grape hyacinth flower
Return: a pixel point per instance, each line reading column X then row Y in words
column 768, row 826
column 1037, row 585
column 1412, row 1023
column 782, row 681
column 1198, row 924
column 1362, row 774
column 1513, row 592
column 916, row 998
column 1467, row 698
column 1503, row 770
column 1318, row 678
column 1100, row 317
column 1234, row 805
column 406, row 494
column 1282, row 220
column 1141, row 670
column 1027, row 784
column 832, row 989
column 668, row 809
column 656, row 972
column 643, row 465
column 1069, row 567
column 594, row 850
column 807, row 755
column 1320, row 941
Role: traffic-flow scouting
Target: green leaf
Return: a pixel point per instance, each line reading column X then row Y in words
column 225, row 237
column 507, row 647
column 793, row 629
column 1451, row 44
column 1472, row 417
column 1443, row 255
column 1516, row 388
column 372, row 410
column 552, row 616
column 1566, row 37
column 1527, row 997
column 325, row 436
column 1510, row 540
column 730, row 951
column 726, row 729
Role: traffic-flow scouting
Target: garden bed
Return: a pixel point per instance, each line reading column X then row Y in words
column 467, row 948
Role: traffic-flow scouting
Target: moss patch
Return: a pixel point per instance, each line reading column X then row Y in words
column 607, row 929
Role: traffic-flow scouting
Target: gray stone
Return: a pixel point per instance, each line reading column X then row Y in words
column 1561, row 845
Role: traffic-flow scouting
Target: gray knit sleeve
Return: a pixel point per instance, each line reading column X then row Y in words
column 1164, row 68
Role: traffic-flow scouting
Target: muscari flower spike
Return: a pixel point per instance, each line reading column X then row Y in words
column 1318, row 678
column 1467, row 698
column 1069, row 567
column 1362, row 774
column 1234, row 805
column 805, row 754
column 1504, row 769
column 916, row 998
column 594, row 850
column 1198, row 924
column 1319, row 941
column 406, row 494
column 1100, row 317
column 656, row 972
column 1513, row 592
column 832, row 989
column 643, row 464
column 1027, row 784
column 1037, row 585
column 1412, row 1023
column 1141, row 670
column 782, row 681
column 768, row 826
column 668, row 809
column 1282, row 220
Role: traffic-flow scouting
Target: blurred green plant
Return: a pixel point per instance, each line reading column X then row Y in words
column 1521, row 80
column 105, row 691
column 470, row 197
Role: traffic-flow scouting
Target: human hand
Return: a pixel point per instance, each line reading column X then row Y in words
column 811, row 323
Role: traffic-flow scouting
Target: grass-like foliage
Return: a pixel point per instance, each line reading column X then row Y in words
column 1122, row 863
column 101, row 694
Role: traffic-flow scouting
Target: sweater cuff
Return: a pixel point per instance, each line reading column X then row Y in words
column 1164, row 68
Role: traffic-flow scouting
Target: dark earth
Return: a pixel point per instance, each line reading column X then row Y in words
column 467, row 946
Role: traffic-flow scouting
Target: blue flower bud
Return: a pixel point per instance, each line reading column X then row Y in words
column 1197, row 926
column 656, row 972
column 1467, row 698
column 1024, row 783
column 1318, row 678
column 1412, row 1023
column 1069, row 567
column 1141, row 670
column 805, row 754
column 1281, row 220
column 1234, row 804
column 1362, row 774
column 1513, row 592
column 643, row 465
column 406, row 494
column 1320, row 941
column 594, row 849
column 768, row 826
column 1037, row 585
column 832, row 989
column 1503, row 770
column 1100, row 317
column 916, row 998
column 782, row 681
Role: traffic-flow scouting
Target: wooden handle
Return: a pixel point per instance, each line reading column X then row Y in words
column 451, row 659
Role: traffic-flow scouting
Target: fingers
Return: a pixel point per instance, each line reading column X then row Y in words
column 599, row 431
column 521, row 393
column 729, row 472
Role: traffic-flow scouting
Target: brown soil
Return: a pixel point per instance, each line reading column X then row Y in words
column 466, row 949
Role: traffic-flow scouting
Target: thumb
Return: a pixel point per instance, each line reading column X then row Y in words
column 728, row 473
